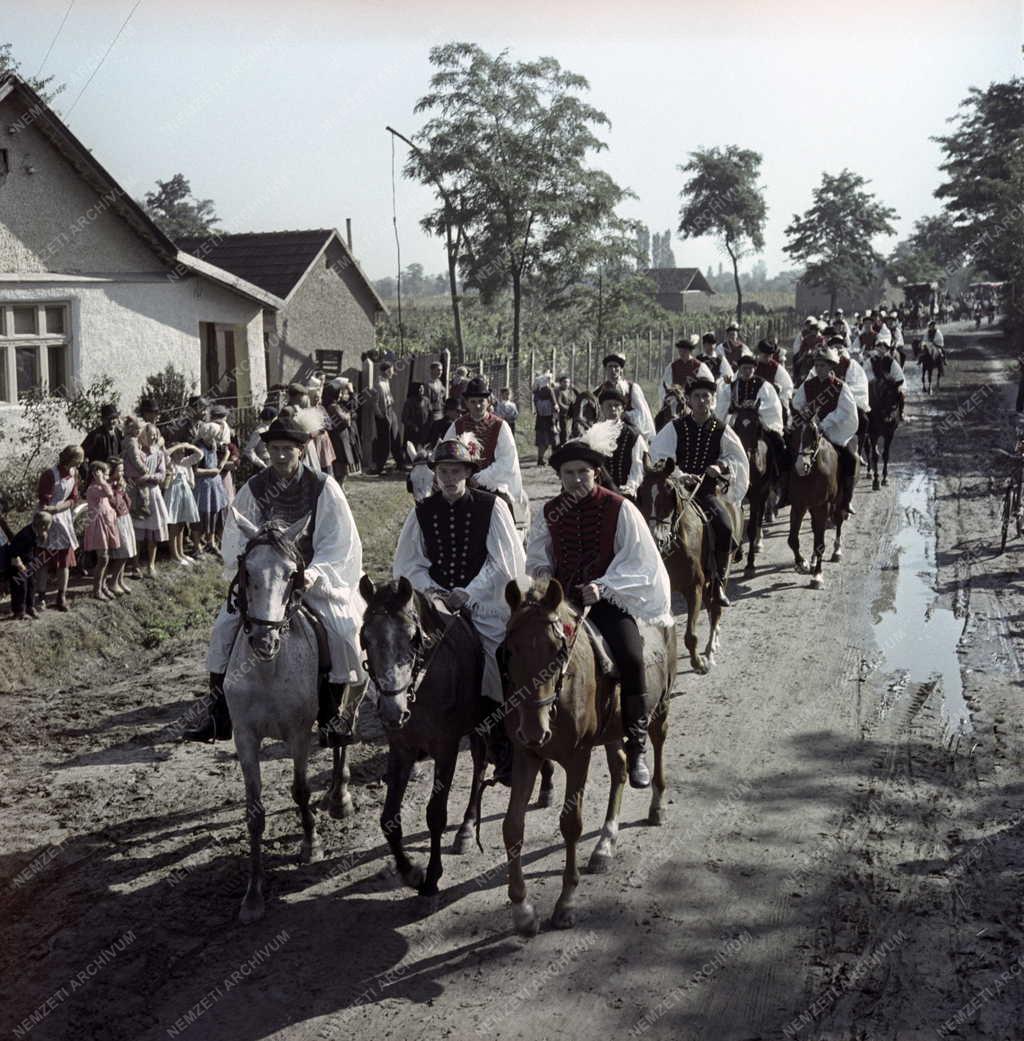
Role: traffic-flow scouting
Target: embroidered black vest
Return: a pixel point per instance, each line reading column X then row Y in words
column 697, row 446
column 621, row 458
column 455, row 535
column 713, row 362
column 583, row 535
column 288, row 502
column 744, row 392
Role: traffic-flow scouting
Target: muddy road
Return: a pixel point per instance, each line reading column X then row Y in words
column 841, row 857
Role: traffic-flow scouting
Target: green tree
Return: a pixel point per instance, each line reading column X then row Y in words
column 834, row 237
column 515, row 137
column 643, row 247
column 44, row 87
column 722, row 198
column 177, row 212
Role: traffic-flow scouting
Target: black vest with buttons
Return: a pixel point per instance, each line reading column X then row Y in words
column 455, row 536
column 697, row 445
column 622, row 458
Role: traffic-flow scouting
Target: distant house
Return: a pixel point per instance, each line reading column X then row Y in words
column 815, row 299
column 90, row 286
column 330, row 307
column 671, row 285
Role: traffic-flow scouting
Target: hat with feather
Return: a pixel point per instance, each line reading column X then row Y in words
column 463, row 449
column 594, row 446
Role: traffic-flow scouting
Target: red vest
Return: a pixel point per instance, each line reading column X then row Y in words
column 843, row 368
column 767, row 369
column 582, row 536
column 486, row 432
column 683, row 370
column 822, row 395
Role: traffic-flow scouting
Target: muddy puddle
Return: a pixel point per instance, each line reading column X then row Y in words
column 917, row 638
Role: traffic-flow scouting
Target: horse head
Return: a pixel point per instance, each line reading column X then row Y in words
column 392, row 638
column 805, row 440
column 537, row 645
column 268, row 586
column 748, row 427
column 657, row 498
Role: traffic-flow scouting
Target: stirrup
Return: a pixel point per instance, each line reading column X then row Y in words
column 639, row 774
column 334, row 733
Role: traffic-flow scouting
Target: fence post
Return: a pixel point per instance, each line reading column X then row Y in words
column 531, row 379
column 572, row 364
column 590, row 363
column 554, row 361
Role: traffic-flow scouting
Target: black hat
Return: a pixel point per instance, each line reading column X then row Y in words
column 477, row 387
column 452, row 405
column 198, row 401
column 148, row 405
column 700, row 383
column 708, row 338
column 594, row 446
column 617, row 359
column 108, row 411
column 732, row 327
column 836, row 341
column 286, row 428
column 268, row 411
column 613, row 394
column 765, row 347
column 689, row 342
column 464, row 449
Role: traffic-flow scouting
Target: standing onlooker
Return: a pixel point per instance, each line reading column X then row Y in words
column 460, row 380
column 385, row 419
column 181, row 501
column 127, row 548
column 416, row 415
column 255, row 452
column 58, row 494
column 545, row 409
column 437, row 430
column 344, row 435
column 565, row 398
column 149, row 411
column 322, row 443
column 507, row 408
column 19, row 561
column 210, row 495
column 101, row 535
column 436, row 393
column 105, row 440
column 152, row 529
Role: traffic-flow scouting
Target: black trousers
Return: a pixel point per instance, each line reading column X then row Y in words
column 385, row 444
column 623, row 636
column 721, row 525
column 22, row 589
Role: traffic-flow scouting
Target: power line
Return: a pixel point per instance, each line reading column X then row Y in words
column 117, row 36
column 54, row 40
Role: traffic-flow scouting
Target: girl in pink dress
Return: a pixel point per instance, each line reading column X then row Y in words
column 101, row 535
column 127, row 548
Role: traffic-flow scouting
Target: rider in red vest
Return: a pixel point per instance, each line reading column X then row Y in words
column 685, row 367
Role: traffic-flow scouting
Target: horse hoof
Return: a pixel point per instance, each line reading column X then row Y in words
column 340, row 809
column 749, row 569
column 524, row 918
column 737, row 556
column 836, row 557
column 463, row 839
column 251, row 911
column 699, row 665
column 816, row 582
column 413, row 876
column 759, row 545
column 311, row 852
column 885, row 480
column 801, row 568
column 427, row 889
column 545, row 798
column 709, row 661
column 599, row 863
column 563, row 918
column 656, row 817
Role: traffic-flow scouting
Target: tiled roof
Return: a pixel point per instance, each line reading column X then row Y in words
column 678, row 279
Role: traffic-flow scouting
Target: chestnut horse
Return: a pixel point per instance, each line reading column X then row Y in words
column 814, row 489
column 560, row 707
column 749, row 431
column 666, row 502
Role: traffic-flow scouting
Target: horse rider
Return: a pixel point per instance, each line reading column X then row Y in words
column 599, row 547
column 809, row 322
column 499, row 461
column 625, row 465
column 685, row 367
column 286, row 491
column 935, row 337
column 811, row 341
column 828, row 399
column 852, row 373
column 750, row 391
column 841, row 325
column 891, row 319
column 702, row 445
column 721, row 371
column 883, row 365
column 732, row 345
column 638, row 412
column 459, row 546
column 774, row 372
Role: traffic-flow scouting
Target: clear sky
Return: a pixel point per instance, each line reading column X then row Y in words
column 277, row 111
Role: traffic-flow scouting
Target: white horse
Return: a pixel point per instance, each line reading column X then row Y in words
column 271, row 687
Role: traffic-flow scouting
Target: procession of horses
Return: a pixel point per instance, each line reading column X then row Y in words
column 536, row 642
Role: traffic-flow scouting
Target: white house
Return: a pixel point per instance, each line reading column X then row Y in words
column 89, row 285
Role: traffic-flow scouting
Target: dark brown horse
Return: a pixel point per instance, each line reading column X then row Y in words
column 813, row 488
column 883, row 419
column 666, row 502
column 560, row 708
column 427, row 668
column 751, row 434
column 933, row 364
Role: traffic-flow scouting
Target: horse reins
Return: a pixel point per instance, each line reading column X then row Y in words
column 238, row 601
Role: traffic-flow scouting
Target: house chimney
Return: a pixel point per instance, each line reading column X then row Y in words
column 348, row 232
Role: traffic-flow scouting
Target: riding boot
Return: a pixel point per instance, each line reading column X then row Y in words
column 217, row 725
column 334, row 729
column 722, row 560
column 634, row 727
column 499, row 752
column 783, row 500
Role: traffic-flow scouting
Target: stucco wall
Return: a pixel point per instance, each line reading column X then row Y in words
column 51, row 220
column 331, row 310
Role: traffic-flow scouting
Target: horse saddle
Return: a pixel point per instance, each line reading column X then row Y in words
column 603, row 659
column 323, row 649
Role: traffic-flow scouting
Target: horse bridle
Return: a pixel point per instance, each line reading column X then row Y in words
column 563, row 656
column 238, row 601
column 813, row 453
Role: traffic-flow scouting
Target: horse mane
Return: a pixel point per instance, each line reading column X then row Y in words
column 532, row 602
column 388, row 600
column 272, row 534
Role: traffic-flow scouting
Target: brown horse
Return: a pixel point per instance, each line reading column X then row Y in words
column 813, row 488
column 883, row 419
column 667, row 505
column 427, row 668
column 560, row 707
column 749, row 431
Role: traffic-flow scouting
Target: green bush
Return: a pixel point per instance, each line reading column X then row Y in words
column 170, row 389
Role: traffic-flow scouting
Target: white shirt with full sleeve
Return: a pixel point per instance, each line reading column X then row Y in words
column 732, row 452
column 856, row 379
column 702, row 373
column 503, row 474
column 636, row 466
column 636, row 579
column 894, row 375
column 505, row 563
column 337, row 566
column 938, row 340
column 639, row 411
column 769, row 407
column 841, row 423
column 784, row 385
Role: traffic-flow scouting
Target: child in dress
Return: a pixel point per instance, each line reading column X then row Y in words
column 151, row 529
column 101, row 535
column 127, row 548
column 210, row 494
column 181, row 501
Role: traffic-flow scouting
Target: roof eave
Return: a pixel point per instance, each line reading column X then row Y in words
column 225, row 278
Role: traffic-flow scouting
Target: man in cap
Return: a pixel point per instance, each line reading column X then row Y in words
column 732, row 345
column 883, row 365
column 852, row 374
column 638, row 411
column 934, row 334
column 459, row 545
column 104, row 442
column 149, row 411
column 722, row 371
column 684, row 368
column 386, row 441
column 810, row 341
column 809, row 322
column 750, row 391
column 287, row 491
column 625, row 465
column 499, row 461
column 773, row 372
column 701, row 445
column 828, row 399
column 598, row 546
column 841, row 325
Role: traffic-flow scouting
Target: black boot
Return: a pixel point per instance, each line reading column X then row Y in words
column 334, row 729
column 499, row 752
column 722, row 567
column 634, row 727
column 217, row 725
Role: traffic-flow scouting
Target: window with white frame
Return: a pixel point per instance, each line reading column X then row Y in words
column 35, row 349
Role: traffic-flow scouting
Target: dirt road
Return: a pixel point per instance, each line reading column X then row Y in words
column 841, row 857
